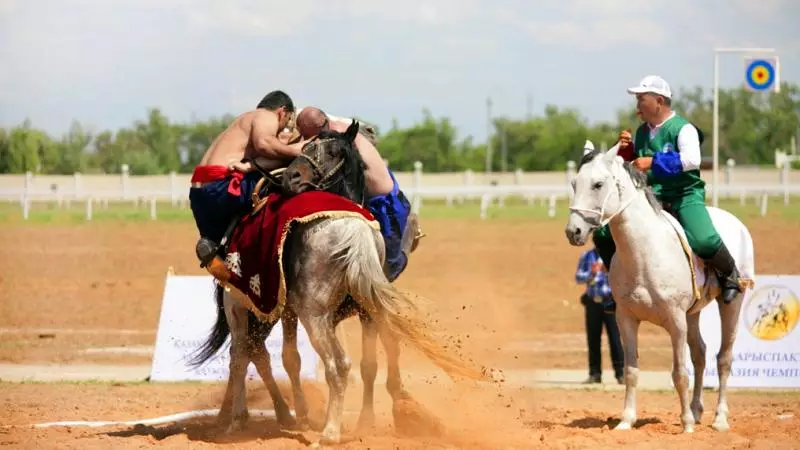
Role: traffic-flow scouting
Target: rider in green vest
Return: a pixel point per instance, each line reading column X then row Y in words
column 667, row 147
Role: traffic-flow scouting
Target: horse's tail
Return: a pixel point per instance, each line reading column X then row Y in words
column 218, row 335
column 394, row 312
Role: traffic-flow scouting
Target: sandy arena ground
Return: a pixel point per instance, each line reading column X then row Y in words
column 505, row 287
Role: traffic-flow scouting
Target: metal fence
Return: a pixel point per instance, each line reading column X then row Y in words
column 453, row 187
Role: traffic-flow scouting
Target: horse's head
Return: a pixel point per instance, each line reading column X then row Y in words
column 599, row 187
column 329, row 162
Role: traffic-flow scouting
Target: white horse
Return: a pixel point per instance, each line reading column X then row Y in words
column 651, row 277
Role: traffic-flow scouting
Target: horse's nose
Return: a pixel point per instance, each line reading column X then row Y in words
column 573, row 234
column 292, row 177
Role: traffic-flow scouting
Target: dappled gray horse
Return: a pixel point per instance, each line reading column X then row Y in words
column 651, row 277
column 333, row 269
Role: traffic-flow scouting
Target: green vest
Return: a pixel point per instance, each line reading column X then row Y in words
column 666, row 139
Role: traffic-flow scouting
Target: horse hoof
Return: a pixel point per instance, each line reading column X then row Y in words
column 286, row 420
column 235, row 426
column 302, row 425
column 623, row 426
column 327, row 440
column 697, row 413
column 413, row 419
column 721, row 426
column 232, row 424
column 688, row 428
column 366, row 422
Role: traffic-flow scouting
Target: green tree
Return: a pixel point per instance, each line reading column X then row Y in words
column 751, row 125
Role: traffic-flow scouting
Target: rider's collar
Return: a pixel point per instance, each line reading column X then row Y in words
column 656, row 127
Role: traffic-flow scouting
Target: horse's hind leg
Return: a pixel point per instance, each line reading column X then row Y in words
column 261, row 359
column 369, row 370
column 729, row 315
column 629, row 330
column 697, row 349
column 678, row 334
column 233, row 414
column 291, row 363
column 394, row 383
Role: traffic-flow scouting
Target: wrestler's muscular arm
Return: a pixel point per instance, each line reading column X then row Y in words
column 264, row 138
column 377, row 175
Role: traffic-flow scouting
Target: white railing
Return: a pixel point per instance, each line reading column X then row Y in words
column 546, row 187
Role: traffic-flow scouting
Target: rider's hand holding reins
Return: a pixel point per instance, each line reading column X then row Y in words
column 625, row 138
column 643, row 163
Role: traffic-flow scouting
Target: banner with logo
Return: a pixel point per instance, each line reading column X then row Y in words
column 188, row 313
column 766, row 352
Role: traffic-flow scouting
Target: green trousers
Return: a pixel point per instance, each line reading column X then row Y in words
column 691, row 212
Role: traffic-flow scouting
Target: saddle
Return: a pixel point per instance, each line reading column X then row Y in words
column 701, row 274
column 211, row 254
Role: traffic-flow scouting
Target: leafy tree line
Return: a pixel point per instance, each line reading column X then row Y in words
column 752, row 126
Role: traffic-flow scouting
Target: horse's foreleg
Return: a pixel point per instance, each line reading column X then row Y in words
column 729, row 315
column 697, row 349
column 261, row 360
column 680, row 376
column 233, row 413
column 629, row 331
column 369, row 370
column 337, row 367
column 292, row 364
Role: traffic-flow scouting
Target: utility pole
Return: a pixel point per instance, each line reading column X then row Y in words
column 503, row 150
column 529, row 107
column 488, row 135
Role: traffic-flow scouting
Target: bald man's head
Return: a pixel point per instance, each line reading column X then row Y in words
column 311, row 121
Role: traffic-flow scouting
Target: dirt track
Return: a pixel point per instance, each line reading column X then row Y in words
column 499, row 282
column 474, row 419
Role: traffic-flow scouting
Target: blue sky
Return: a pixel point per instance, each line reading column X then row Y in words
column 104, row 62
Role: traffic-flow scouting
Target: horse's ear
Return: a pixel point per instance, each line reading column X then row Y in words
column 352, row 131
column 588, row 147
column 611, row 154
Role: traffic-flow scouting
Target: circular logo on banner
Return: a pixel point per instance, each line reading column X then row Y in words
column 771, row 313
column 760, row 74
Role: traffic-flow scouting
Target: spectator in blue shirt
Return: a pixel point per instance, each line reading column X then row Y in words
column 599, row 308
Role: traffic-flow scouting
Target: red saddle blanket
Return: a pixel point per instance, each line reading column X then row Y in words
column 256, row 246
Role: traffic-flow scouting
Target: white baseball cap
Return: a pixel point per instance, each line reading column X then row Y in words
column 654, row 84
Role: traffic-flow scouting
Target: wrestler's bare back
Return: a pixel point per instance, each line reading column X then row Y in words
column 233, row 144
column 378, row 180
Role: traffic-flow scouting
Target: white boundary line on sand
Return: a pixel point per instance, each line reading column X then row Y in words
column 172, row 418
column 108, row 331
column 179, row 417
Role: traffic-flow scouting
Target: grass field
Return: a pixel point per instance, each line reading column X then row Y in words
column 513, row 209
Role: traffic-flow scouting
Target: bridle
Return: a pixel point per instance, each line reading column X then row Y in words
column 324, row 177
column 600, row 221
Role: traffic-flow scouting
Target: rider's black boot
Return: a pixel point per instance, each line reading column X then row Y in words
column 206, row 250
column 727, row 273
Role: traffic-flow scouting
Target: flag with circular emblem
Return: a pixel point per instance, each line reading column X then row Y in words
column 761, row 74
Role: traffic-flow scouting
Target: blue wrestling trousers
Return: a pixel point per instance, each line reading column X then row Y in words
column 391, row 211
column 214, row 208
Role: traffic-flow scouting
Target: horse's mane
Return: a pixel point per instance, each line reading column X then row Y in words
column 638, row 177
column 351, row 182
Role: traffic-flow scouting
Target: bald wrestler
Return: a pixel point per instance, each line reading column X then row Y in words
column 385, row 200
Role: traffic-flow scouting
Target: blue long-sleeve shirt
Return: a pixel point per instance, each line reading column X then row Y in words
column 597, row 284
